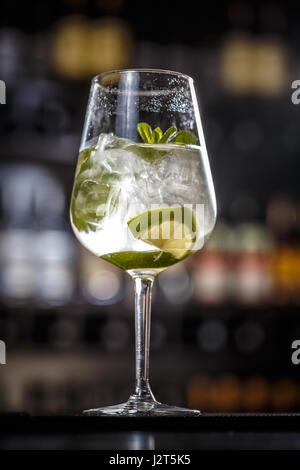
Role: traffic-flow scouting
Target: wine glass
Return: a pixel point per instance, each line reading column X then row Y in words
column 143, row 196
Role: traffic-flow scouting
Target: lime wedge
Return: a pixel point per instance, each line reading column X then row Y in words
column 174, row 230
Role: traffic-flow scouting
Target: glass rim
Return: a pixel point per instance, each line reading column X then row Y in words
column 173, row 73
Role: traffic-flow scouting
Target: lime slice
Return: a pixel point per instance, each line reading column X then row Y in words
column 174, row 230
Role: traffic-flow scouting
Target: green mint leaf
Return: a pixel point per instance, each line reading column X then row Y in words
column 185, row 138
column 83, row 160
column 168, row 135
column 156, row 135
column 145, row 132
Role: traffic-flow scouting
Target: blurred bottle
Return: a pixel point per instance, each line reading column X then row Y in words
column 284, row 395
column 237, row 63
column 13, row 53
column 252, row 279
column 198, row 393
column 82, row 48
column 176, row 286
column 219, row 394
column 212, row 267
column 54, row 245
column 37, row 251
column 254, row 66
column 285, row 260
column 38, row 106
column 252, row 245
column 255, row 394
column 54, row 257
column 100, row 282
column 226, row 393
column 17, row 236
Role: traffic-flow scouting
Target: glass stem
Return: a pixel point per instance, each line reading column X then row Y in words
column 143, row 289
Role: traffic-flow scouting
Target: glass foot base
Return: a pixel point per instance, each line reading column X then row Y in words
column 136, row 407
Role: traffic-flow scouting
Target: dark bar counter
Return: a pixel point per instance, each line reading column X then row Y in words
column 207, row 432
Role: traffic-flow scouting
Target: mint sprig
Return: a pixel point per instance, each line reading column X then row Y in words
column 171, row 136
column 184, row 137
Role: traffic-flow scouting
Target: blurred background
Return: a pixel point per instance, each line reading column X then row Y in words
column 224, row 320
